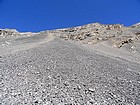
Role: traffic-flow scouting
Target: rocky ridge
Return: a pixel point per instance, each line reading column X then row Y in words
column 117, row 34
column 71, row 66
column 4, row 33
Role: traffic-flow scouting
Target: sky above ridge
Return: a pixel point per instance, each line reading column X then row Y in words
column 38, row 15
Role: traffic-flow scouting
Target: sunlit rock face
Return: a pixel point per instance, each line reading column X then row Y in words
column 96, row 33
column 5, row 33
column 8, row 32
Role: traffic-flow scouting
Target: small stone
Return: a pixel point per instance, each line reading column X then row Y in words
column 91, row 90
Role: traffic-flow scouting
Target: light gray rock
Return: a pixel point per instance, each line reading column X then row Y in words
column 83, row 69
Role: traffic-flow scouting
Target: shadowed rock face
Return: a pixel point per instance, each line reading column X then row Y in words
column 93, row 64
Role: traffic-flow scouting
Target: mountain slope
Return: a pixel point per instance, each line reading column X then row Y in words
column 67, row 67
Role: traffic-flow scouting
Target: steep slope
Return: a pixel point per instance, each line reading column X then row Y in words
column 67, row 67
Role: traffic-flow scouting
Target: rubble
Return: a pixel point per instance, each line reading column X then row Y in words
column 49, row 68
column 96, row 33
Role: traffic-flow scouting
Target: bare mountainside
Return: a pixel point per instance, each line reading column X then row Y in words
column 93, row 64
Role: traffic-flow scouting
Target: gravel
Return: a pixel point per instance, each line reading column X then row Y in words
column 64, row 73
column 44, row 69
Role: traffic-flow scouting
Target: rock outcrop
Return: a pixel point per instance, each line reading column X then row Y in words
column 4, row 33
column 95, row 33
column 117, row 34
column 8, row 32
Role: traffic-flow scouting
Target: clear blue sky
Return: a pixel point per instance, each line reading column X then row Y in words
column 37, row 15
